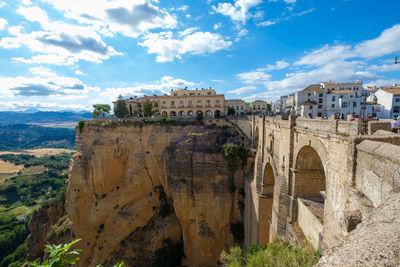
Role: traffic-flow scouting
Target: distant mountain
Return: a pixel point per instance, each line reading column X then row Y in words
column 42, row 117
column 24, row 136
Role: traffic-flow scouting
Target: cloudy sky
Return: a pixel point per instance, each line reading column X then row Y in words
column 71, row 54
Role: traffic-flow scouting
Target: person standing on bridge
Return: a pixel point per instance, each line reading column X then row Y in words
column 395, row 125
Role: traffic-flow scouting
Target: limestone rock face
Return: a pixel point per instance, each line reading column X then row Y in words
column 39, row 225
column 132, row 187
column 374, row 242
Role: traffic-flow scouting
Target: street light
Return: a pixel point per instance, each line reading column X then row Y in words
column 396, row 60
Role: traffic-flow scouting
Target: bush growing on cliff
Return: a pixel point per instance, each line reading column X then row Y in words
column 276, row 253
column 234, row 154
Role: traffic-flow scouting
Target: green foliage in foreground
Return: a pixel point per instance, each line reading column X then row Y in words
column 62, row 256
column 276, row 254
column 22, row 194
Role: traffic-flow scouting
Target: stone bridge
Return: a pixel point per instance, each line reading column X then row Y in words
column 315, row 179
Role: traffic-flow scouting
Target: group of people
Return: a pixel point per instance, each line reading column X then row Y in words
column 395, row 124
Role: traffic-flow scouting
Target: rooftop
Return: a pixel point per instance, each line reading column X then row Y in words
column 314, row 88
column 394, row 90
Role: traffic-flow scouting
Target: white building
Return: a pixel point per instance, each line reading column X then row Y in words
column 389, row 98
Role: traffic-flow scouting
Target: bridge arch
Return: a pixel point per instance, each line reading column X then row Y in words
column 266, row 204
column 309, row 174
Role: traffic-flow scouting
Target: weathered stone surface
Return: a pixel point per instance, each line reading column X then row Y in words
column 123, row 176
column 39, row 225
column 375, row 241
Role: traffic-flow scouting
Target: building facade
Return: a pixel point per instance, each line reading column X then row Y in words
column 182, row 103
column 237, row 104
column 389, row 98
column 258, row 107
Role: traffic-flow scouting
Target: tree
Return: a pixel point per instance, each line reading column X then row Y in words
column 147, row 108
column 100, row 110
column 120, row 108
column 231, row 111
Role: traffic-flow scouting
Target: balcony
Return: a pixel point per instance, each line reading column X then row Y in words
column 199, row 105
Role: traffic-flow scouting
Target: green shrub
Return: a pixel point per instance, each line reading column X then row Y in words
column 276, row 253
column 81, row 124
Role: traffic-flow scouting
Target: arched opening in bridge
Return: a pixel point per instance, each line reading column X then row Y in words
column 217, row 114
column 172, row 114
column 308, row 192
column 266, row 203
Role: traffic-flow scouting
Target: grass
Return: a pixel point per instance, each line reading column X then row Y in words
column 33, row 170
column 8, row 167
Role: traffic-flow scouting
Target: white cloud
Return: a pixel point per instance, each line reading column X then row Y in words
column 45, row 84
column 385, row 67
column 280, row 64
column 3, row 23
column 238, row 12
column 164, row 85
column 60, row 44
column 130, row 18
column 254, row 77
column 240, row 34
column 42, row 71
column 78, row 72
column 336, row 71
column 217, row 26
column 168, row 48
column 326, row 54
column 44, row 106
column 386, row 43
column 280, row 19
column 243, row 90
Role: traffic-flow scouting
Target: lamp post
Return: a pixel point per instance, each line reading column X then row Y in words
column 396, row 60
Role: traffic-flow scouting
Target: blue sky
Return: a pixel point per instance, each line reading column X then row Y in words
column 71, row 54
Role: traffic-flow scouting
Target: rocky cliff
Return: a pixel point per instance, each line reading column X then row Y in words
column 139, row 193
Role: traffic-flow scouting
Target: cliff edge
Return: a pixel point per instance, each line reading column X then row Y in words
column 137, row 191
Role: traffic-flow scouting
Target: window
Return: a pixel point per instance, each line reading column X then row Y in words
column 164, row 105
column 172, row 104
column 155, row 105
column 217, row 103
column 241, row 107
column 396, row 109
column 320, row 114
column 181, row 104
column 199, row 103
column 175, row 94
column 319, row 106
column 344, row 105
column 309, row 94
column 397, row 100
column 333, row 105
column 333, row 98
column 254, row 106
column 354, row 104
column 258, row 106
column 190, row 103
column 310, row 107
column 237, row 107
column 209, row 93
column 321, row 95
column 208, row 103
column 351, row 95
column 320, row 100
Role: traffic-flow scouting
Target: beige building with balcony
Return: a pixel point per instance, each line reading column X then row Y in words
column 259, row 107
column 182, row 103
column 237, row 104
